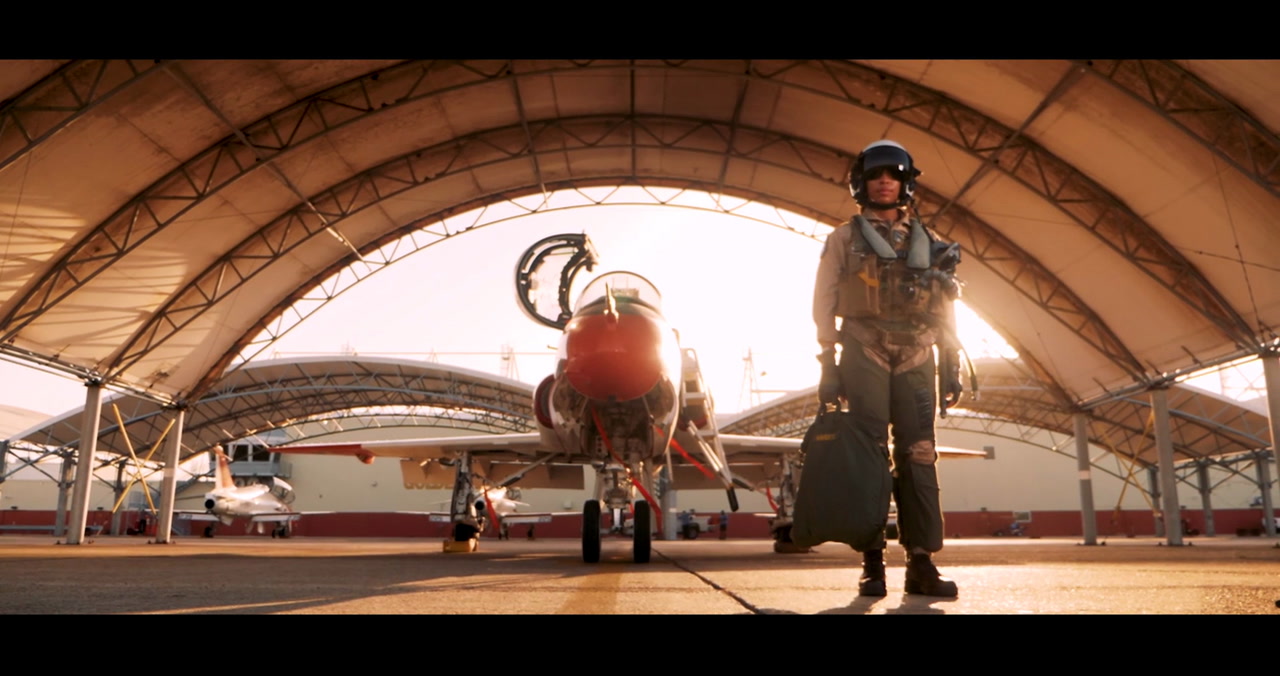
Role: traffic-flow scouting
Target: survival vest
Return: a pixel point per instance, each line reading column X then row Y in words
column 884, row 281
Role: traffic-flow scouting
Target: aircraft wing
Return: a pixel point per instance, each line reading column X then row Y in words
column 737, row 444
column 945, row 452
column 279, row 517
column 523, row 445
column 534, row 517
column 756, row 461
column 266, row 517
column 194, row 515
column 741, row 444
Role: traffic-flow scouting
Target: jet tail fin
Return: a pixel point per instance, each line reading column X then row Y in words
column 222, row 474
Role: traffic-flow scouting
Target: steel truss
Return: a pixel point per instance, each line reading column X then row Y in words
column 310, row 119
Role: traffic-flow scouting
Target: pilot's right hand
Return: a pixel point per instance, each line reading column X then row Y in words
column 829, row 387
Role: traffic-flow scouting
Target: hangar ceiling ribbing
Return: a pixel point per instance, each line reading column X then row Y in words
column 291, row 395
column 1202, row 424
column 166, row 214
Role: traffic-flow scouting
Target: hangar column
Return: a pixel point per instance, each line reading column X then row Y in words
column 1088, row 518
column 1153, row 484
column 1264, row 483
column 84, row 460
column 1206, row 496
column 667, row 500
column 65, row 479
column 168, row 485
column 1271, row 372
column 1168, row 479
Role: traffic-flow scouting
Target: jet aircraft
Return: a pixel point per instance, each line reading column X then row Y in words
column 501, row 506
column 259, row 503
column 626, row 399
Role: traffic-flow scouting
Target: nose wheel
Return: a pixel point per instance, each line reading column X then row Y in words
column 641, row 532
column 591, row 531
column 641, row 537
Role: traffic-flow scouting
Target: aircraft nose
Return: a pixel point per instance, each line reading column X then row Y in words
column 608, row 359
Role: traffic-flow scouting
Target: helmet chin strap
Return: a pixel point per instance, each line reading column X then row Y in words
column 866, row 203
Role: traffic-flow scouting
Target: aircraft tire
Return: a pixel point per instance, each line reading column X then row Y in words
column 641, row 536
column 591, row 531
column 463, row 532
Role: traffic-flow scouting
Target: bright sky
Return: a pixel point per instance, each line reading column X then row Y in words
column 731, row 286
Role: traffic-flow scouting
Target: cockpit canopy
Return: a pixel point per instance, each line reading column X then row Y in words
column 625, row 287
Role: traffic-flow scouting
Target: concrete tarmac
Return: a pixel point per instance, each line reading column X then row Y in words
column 339, row 576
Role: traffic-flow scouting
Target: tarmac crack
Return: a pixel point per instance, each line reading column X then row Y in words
column 752, row 608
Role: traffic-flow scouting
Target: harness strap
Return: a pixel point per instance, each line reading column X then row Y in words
column 878, row 244
column 919, row 253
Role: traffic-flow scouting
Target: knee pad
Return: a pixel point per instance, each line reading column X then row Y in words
column 922, row 453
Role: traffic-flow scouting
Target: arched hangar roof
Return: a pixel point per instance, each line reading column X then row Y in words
column 305, row 398
column 161, row 217
column 1202, row 425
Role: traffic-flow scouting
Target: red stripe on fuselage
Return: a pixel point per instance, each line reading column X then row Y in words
column 614, row 357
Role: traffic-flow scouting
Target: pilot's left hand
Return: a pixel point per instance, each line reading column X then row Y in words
column 952, row 387
column 830, row 388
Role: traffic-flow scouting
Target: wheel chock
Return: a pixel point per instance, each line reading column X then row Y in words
column 464, row 546
column 789, row 548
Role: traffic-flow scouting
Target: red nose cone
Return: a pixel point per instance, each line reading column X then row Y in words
column 613, row 358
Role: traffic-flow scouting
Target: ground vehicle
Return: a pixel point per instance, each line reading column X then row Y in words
column 692, row 525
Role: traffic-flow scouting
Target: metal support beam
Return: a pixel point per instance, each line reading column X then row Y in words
column 84, row 461
column 65, row 479
column 1089, row 520
column 118, row 490
column 668, row 504
column 1168, row 480
column 1264, row 482
column 168, row 485
column 1153, row 488
column 1206, row 497
column 1271, row 373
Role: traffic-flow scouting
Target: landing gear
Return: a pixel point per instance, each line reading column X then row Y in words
column 208, row 531
column 465, row 538
column 464, row 531
column 591, row 531
column 281, row 531
column 781, row 526
column 782, row 543
column 641, row 537
column 465, row 511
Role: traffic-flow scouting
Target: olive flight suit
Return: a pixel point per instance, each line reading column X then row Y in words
column 891, row 316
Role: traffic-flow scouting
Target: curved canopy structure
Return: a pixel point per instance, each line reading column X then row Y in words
column 1202, row 425
column 162, row 218
column 306, row 398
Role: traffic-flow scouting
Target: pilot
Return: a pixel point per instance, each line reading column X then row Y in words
column 883, row 293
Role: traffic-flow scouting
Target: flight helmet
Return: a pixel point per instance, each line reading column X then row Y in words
column 875, row 156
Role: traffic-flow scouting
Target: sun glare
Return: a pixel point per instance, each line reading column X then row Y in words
column 978, row 338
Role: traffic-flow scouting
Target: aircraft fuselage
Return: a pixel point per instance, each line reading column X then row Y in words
column 616, row 390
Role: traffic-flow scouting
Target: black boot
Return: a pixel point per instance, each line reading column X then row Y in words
column 872, row 581
column 923, row 578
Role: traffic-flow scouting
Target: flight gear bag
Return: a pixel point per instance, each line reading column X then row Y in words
column 830, row 388
column 894, row 284
column 845, row 485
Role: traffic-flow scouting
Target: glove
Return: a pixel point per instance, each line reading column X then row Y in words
column 829, row 386
column 949, row 375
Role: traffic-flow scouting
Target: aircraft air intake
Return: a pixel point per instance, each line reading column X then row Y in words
column 613, row 358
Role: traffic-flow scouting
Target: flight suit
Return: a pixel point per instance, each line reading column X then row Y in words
column 890, row 319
